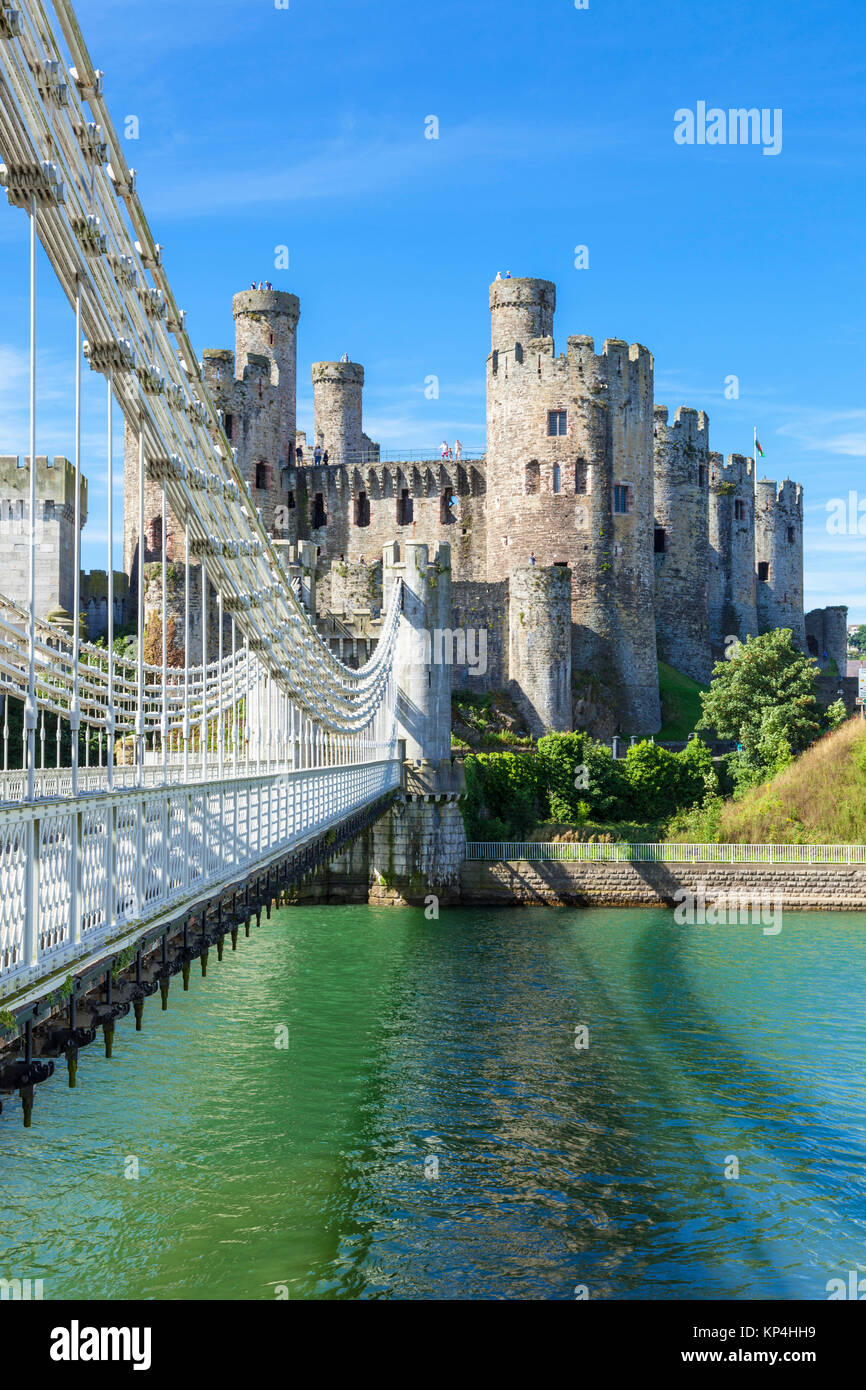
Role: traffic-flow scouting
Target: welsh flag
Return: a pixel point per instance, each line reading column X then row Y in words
column 758, row 446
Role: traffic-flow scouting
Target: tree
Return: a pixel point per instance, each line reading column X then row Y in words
column 857, row 639
column 764, row 697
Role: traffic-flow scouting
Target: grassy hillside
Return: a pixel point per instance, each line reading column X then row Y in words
column 681, row 704
column 819, row 799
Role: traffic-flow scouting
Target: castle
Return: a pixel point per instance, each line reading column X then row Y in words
column 595, row 537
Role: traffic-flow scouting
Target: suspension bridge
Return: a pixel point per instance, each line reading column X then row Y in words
column 148, row 810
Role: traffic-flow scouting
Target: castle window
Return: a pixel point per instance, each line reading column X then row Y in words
column 263, row 476
column 154, row 536
column 533, row 478
column 445, row 504
column 404, row 508
column 320, row 516
column 290, row 501
column 581, row 476
column 557, row 422
column 518, row 352
column 362, row 509
column 764, row 569
column 494, row 362
column 739, row 509
column 48, row 511
column 228, row 426
column 790, row 535
column 660, row 541
column 621, row 493
column 557, row 478
column 702, row 475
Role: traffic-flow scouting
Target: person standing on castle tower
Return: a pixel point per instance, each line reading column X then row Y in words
column 445, row 451
column 325, row 459
column 458, row 450
column 345, row 357
column 317, row 455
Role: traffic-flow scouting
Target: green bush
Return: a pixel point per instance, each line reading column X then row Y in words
column 501, row 800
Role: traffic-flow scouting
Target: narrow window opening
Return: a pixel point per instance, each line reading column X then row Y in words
column 404, row 508
column 48, row 510
column 557, row 478
column 557, row 422
column 154, row 536
column 446, row 501
column 263, row 476
column 739, row 510
column 580, row 476
column 320, row 517
column 620, row 498
column 229, row 427
column 790, row 535
column 362, row 509
column 660, row 542
column 702, row 475
column 290, row 501
column 763, row 569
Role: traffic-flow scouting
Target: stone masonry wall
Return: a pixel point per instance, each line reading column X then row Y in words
column 816, row 887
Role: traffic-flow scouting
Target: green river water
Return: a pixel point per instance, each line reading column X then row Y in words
column 431, row 1130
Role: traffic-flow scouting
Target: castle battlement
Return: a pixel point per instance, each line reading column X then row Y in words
column 739, row 470
column 55, row 484
column 689, row 427
column 786, row 496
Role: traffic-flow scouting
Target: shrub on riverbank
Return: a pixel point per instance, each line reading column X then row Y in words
column 573, row 781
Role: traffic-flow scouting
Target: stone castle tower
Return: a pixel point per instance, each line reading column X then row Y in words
column 55, row 531
column 681, row 542
column 733, row 597
column 570, row 483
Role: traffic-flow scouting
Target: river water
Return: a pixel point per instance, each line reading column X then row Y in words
column 436, row 1128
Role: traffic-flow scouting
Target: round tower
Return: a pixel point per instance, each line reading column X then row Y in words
column 520, row 310
column 733, row 610
column 338, row 404
column 779, row 557
column 681, row 543
column 266, row 323
column 540, row 646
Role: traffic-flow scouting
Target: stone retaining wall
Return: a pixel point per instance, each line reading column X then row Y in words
column 825, row 887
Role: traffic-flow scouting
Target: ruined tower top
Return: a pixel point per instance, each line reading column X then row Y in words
column 520, row 310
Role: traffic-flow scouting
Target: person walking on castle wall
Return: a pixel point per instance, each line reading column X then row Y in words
column 317, row 455
column 532, row 559
column 445, row 450
column 325, row 458
column 458, row 450
column 299, row 454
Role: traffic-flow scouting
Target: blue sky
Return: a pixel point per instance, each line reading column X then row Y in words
column 305, row 127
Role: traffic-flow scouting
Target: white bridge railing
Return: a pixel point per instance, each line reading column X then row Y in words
column 620, row 853
column 75, row 873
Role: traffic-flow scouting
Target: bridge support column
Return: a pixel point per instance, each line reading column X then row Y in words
column 417, row 849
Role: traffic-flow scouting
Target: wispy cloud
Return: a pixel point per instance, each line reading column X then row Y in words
column 830, row 432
